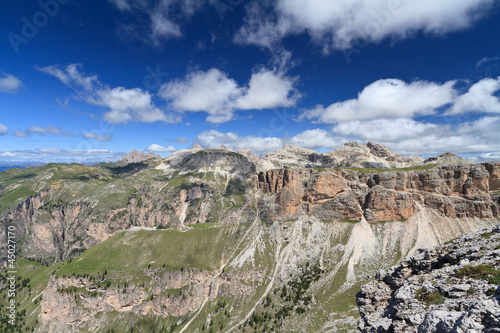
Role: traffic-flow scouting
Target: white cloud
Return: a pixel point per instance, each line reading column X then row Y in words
column 163, row 27
column 58, row 155
column 340, row 24
column 385, row 130
column 121, row 4
column 166, row 17
column 218, row 95
column 493, row 156
column 48, row 130
column 95, row 136
column 266, row 90
column 211, row 91
column 131, row 105
column 479, row 98
column 42, row 131
column 311, row 139
column 388, row 98
column 214, row 139
column 314, row 139
column 9, row 83
column 125, row 105
column 3, row 129
column 404, row 136
column 19, row 134
column 407, row 136
column 157, row 148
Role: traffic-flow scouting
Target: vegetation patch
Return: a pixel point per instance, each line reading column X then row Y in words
column 379, row 170
column 349, row 221
column 480, row 272
column 487, row 235
column 430, row 298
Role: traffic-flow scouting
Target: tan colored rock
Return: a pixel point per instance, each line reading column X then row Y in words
column 458, row 191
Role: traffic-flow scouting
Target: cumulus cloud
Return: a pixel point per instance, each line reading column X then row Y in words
column 385, row 130
column 95, row 136
column 268, row 89
column 218, row 95
column 315, row 139
column 41, row 131
column 9, row 83
column 124, row 105
column 214, row 139
column 404, row 136
column 340, row 24
column 311, row 139
column 211, row 91
column 493, row 156
column 388, row 98
column 407, row 136
column 479, row 98
column 157, row 148
column 3, row 129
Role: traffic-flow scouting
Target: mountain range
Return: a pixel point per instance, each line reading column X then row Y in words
column 211, row 240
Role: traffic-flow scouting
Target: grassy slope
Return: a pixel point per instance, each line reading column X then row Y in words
column 378, row 170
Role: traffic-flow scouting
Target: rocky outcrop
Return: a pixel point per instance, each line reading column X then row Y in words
column 371, row 155
column 136, row 157
column 449, row 288
column 221, row 161
column 70, row 301
column 453, row 190
column 296, row 157
column 446, row 158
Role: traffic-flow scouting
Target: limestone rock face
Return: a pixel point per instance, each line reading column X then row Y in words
column 136, row 157
column 371, row 155
column 219, row 160
column 298, row 157
column 456, row 191
column 60, row 313
column 436, row 290
column 446, row 158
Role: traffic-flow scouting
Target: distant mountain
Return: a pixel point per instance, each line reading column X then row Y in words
column 372, row 155
column 135, row 157
column 21, row 165
column 4, row 167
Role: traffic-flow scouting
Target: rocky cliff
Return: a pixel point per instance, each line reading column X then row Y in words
column 136, row 157
column 452, row 191
column 371, row 155
column 449, row 288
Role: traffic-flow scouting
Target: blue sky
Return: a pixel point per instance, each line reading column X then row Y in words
column 90, row 80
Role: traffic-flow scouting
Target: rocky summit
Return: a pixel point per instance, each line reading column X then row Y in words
column 454, row 287
column 212, row 240
column 136, row 157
